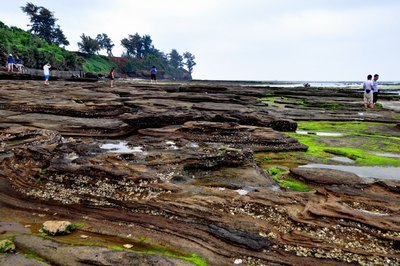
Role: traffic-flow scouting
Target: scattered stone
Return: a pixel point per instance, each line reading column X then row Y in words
column 84, row 236
column 238, row 261
column 57, row 227
column 128, row 246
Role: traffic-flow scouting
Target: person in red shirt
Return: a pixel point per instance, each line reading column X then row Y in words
column 112, row 77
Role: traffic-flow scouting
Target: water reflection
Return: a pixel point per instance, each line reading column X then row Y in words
column 363, row 171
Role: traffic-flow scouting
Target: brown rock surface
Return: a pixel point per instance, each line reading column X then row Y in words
column 327, row 176
column 174, row 163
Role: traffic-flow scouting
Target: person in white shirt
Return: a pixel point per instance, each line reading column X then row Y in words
column 368, row 88
column 376, row 89
column 46, row 72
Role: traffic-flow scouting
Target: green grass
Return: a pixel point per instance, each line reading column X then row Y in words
column 34, row 51
column 98, row 64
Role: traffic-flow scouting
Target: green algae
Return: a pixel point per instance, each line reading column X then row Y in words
column 6, row 246
column 362, row 158
column 165, row 251
column 328, row 126
column 33, row 255
column 288, row 183
column 138, row 246
column 330, row 106
column 360, row 140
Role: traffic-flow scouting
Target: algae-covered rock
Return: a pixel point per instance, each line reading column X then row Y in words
column 57, row 227
column 6, row 246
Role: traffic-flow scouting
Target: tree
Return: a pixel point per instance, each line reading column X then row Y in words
column 190, row 63
column 133, row 45
column 43, row 24
column 105, row 43
column 175, row 59
column 88, row 45
column 147, row 45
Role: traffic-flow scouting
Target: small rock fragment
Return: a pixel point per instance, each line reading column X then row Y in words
column 57, row 227
column 238, row 261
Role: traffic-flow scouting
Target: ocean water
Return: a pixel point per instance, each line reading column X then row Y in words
column 393, row 86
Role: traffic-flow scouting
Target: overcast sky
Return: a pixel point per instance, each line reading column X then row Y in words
column 245, row 39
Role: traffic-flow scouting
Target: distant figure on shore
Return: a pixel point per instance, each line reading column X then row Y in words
column 153, row 74
column 10, row 63
column 368, row 89
column 376, row 89
column 112, row 77
column 307, row 85
column 46, row 72
column 20, row 65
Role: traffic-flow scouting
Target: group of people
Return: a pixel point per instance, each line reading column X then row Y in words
column 370, row 87
column 19, row 65
column 11, row 62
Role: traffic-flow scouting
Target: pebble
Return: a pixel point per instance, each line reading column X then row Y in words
column 238, row 261
column 84, row 236
column 128, row 246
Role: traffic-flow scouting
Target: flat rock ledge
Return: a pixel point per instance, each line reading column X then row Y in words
column 327, row 176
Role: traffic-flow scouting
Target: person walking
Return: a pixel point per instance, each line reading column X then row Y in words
column 112, row 77
column 46, row 72
column 368, row 89
column 153, row 74
column 10, row 63
column 376, row 89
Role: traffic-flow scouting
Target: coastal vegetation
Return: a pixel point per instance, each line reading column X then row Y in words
column 45, row 42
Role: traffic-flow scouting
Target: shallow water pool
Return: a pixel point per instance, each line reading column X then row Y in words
column 379, row 172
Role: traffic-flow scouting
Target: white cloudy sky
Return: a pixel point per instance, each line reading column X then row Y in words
column 245, row 39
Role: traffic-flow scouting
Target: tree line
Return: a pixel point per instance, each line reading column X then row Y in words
column 136, row 48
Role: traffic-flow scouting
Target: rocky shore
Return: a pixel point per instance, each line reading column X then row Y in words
column 173, row 167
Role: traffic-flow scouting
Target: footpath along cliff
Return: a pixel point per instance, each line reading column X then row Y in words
column 175, row 170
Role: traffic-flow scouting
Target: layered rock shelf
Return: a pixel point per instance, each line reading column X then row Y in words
column 174, row 163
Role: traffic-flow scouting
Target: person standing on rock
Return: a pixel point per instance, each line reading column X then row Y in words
column 368, row 89
column 10, row 63
column 20, row 65
column 153, row 74
column 376, row 89
column 112, row 77
column 46, row 72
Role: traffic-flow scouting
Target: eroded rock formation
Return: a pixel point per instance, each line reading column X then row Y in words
column 175, row 163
